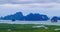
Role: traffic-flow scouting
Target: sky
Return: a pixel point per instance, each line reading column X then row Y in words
column 46, row 7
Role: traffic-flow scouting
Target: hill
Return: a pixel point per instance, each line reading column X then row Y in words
column 29, row 17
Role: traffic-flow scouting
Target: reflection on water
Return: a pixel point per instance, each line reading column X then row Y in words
column 30, row 22
column 57, row 29
column 40, row 26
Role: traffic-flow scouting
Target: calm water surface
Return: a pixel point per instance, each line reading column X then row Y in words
column 30, row 22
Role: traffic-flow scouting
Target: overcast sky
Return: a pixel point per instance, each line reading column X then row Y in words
column 47, row 7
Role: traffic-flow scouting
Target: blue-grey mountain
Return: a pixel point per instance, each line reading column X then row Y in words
column 29, row 17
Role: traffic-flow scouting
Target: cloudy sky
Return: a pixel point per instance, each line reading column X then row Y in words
column 48, row 7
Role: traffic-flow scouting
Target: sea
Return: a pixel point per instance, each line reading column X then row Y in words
column 30, row 22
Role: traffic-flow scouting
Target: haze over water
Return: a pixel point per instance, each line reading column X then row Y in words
column 31, row 22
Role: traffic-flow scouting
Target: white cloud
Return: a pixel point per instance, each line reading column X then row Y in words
column 33, row 5
column 50, row 9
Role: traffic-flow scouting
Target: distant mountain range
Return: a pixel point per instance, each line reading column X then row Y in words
column 29, row 17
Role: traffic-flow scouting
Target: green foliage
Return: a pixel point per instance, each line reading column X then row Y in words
column 26, row 28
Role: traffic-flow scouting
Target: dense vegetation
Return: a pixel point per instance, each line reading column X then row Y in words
column 27, row 28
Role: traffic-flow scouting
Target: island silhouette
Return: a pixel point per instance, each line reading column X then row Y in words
column 29, row 17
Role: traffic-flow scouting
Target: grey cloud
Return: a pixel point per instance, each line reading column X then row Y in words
column 27, row 2
column 33, row 1
column 3, row 1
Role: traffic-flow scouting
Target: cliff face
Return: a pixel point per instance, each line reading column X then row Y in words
column 30, row 17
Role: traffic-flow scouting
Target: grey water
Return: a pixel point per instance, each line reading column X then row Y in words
column 30, row 22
